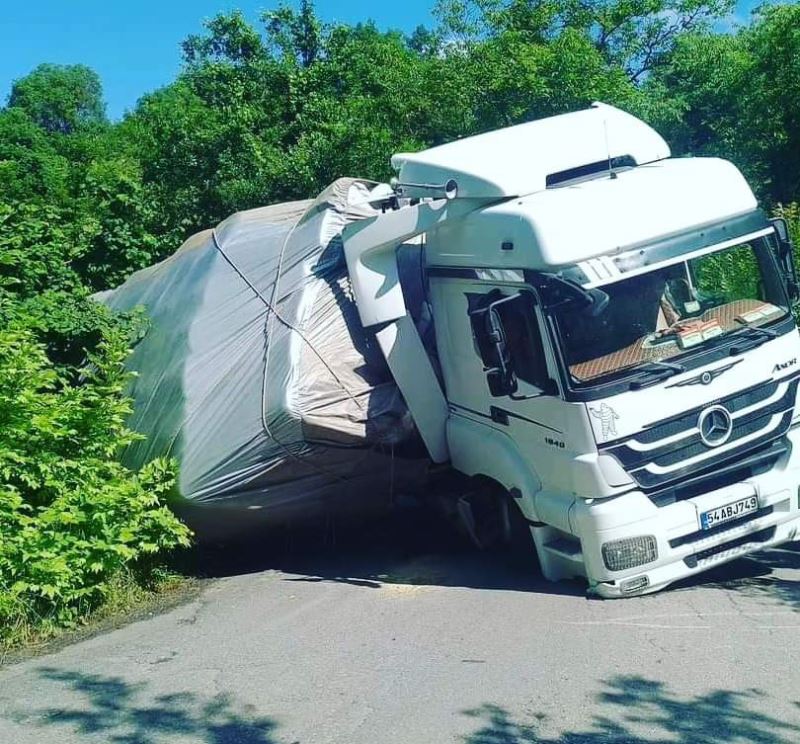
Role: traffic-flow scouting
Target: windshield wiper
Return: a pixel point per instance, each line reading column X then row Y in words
column 653, row 372
column 753, row 336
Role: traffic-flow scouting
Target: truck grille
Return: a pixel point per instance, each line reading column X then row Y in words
column 672, row 449
column 754, row 538
column 754, row 462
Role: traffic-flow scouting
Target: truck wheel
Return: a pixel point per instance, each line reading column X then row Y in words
column 486, row 514
column 520, row 544
column 493, row 521
column 480, row 519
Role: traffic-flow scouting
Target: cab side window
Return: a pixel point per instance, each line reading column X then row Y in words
column 522, row 342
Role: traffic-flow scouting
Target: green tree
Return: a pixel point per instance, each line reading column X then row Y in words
column 635, row 35
column 424, row 41
column 40, row 289
column 295, row 35
column 60, row 98
column 230, row 38
column 773, row 104
column 31, row 167
column 122, row 224
column 730, row 95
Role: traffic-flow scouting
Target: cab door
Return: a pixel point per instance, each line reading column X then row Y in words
column 500, row 373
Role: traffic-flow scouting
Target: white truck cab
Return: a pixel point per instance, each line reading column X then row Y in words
column 614, row 344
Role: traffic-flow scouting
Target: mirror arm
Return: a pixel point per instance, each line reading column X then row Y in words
column 786, row 257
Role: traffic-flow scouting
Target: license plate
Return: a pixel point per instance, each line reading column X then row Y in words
column 729, row 512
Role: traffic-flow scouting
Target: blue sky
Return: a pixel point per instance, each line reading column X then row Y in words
column 134, row 46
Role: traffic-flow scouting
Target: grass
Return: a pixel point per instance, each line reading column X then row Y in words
column 133, row 593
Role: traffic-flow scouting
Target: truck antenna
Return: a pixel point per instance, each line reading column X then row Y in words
column 611, row 173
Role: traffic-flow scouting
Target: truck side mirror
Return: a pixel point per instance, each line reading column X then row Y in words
column 501, row 378
column 785, row 257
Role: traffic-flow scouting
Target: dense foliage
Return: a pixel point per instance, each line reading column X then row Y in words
column 70, row 515
column 274, row 111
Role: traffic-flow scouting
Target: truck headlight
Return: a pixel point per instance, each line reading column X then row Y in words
column 619, row 555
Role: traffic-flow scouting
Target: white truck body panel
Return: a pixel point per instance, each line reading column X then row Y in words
column 595, row 220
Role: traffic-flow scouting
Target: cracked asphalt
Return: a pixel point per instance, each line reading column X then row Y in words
column 398, row 633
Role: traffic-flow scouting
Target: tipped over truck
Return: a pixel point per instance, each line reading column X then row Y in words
column 592, row 338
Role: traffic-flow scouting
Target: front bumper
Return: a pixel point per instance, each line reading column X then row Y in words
column 684, row 549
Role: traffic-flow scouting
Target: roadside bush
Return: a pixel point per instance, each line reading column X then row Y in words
column 71, row 516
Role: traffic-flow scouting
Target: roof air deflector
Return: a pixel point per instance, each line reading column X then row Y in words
column 517, row 160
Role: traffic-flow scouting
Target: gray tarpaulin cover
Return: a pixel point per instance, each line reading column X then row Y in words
column 255, row 373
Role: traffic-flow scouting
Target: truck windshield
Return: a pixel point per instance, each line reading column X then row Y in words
column 672, row 311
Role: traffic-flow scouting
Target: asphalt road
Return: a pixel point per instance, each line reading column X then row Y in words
column 399, row 635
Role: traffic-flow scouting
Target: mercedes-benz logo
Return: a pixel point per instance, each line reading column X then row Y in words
column 715, row 425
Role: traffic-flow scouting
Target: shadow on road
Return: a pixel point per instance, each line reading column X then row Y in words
column 629, row 706
column 410, row 545
column 628, row 710
column 110, row 709
column 757, row 575
column 413, row 545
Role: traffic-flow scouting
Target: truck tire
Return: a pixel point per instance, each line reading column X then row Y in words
column 520, row 545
